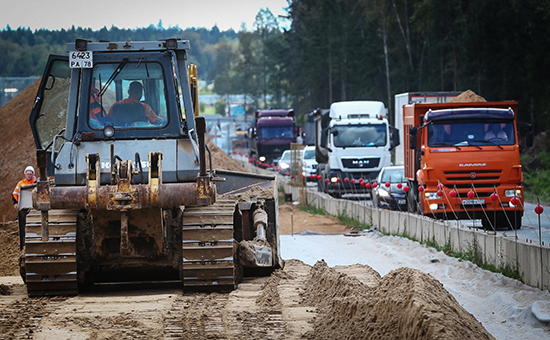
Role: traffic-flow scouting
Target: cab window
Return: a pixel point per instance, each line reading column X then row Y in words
column 127, row 95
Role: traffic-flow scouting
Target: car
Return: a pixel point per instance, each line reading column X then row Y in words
column 389, row 192
column 309, row 166
column 284, row 162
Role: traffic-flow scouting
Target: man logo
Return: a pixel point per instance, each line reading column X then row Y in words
column 360, row 162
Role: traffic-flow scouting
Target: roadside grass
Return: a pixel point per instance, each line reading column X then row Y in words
column 472, row 253
column 536, row 177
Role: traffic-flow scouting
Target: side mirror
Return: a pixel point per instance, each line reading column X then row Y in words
column 412, row 138
column 394, row 142
column 324, row 138
column 334, row 133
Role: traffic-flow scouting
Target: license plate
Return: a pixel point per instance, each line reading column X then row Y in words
column 473, row 202
column 81, row 59
column 401, row 201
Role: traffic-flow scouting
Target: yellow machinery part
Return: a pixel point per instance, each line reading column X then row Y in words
column 193, row 86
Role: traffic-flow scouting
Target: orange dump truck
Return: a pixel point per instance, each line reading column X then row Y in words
column 462, row 162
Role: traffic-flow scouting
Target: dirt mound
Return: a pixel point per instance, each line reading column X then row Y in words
column 9, row 249
column 18, row 149
column 406, row 304
column 221, row 160
column 467, row 96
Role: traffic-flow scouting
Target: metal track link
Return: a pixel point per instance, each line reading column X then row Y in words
column 208, row 249
column 50, row 265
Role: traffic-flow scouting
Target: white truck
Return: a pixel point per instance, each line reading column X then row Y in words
column 353, row 143
column 402, row 99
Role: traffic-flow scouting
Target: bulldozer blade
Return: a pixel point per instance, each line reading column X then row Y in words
column 239, row 182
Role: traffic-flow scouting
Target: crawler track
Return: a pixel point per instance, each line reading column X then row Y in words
column 208, row 247
column 50, row 264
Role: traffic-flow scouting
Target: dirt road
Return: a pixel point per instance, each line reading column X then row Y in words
column 297, row 302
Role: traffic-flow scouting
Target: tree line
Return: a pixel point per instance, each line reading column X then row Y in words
column 336, row 50
column 374, row 49
column 23, row 52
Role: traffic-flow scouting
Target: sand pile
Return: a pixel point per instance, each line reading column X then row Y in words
column 221, row 160
column 18, row 149
column 9, row 249
column 406, row 304
column 468, row 96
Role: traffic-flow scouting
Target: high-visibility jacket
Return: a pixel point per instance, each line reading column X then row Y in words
column 21, row 183
column 96, row 109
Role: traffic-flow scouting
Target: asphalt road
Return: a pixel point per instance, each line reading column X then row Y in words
column 530, row 222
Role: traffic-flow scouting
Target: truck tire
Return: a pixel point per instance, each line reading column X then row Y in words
column 412, row 194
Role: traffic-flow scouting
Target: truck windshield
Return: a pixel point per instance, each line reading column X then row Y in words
column 472, row 133
column 286, row 131
column 135, row 98
column 359, row 135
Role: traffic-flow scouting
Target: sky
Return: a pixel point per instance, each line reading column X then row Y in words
column 58, row 14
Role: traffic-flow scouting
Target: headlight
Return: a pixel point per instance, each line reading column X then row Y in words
column 262, row 159
column 284, row 165
column 433, row 206
column 334, row 179
column 383, row 193
column 108, row 131
column 512, row 192
column 431, row 196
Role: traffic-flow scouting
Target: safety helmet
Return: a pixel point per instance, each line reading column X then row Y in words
column 29, row 168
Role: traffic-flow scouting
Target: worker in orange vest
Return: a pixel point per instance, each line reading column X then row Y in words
column 29, row 179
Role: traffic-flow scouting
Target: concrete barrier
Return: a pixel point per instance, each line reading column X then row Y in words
column 530, row 258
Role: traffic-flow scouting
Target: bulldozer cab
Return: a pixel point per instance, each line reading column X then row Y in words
column 106, row 92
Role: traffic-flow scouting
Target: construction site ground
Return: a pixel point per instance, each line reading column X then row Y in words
column 328, row 289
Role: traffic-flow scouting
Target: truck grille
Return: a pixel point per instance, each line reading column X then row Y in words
column 480, row 178
column 361, row 163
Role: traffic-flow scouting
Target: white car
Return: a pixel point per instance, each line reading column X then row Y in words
column 284, row 162
column 309, row 163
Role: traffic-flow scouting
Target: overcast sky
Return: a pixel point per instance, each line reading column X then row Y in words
column 57, row 14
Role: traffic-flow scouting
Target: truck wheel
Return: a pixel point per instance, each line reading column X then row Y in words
column 515, row 220
column 411, row 196
column 489, row 224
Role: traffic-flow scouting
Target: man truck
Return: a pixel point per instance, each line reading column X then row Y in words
column 352, row 144
column 462, row 161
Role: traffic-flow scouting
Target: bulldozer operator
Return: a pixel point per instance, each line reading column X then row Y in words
column 132, row 105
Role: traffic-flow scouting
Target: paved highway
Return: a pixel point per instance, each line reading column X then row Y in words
column 530, row 222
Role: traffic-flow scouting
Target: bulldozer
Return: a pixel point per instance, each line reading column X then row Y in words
column 124, row 191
